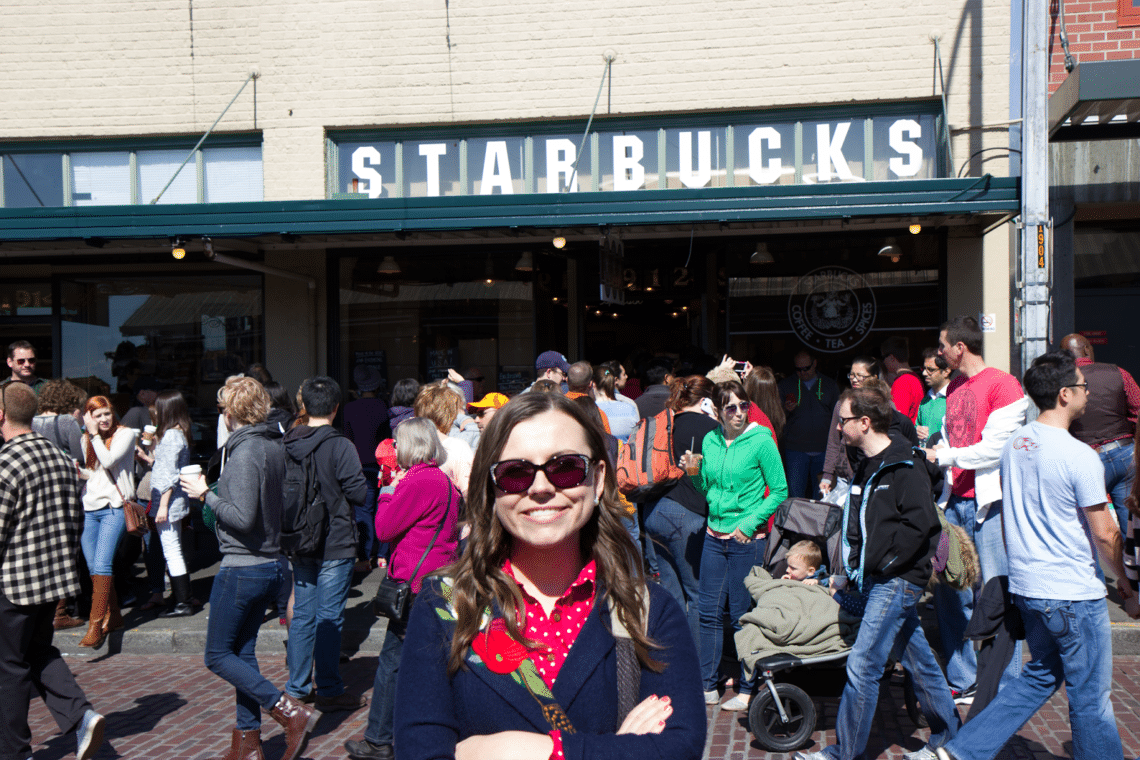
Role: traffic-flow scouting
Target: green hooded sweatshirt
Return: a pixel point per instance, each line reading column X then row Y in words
column 733, row 479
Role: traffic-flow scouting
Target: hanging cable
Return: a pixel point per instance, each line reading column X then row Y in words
column 578, row 154
column 253, row 75
column 1069, row 62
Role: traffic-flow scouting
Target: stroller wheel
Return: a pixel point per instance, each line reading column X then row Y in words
column 771, row 731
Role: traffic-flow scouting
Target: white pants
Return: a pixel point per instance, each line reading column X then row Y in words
column 169, row 533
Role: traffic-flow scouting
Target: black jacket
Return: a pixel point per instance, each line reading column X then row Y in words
column 891, row 524
column 339, row 474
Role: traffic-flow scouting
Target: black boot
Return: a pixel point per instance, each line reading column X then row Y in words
column 181, row 586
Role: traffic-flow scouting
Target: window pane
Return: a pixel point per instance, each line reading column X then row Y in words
column 495, row 167
column 120, row 336
column 370, row 168
column 233, row 174
column 33, row 179
column 700, row 164
column 431, row 168
column 101, row 179
column 156, row 167
column 628, row 161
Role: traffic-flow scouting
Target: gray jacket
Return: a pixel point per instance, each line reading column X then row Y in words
column 170, row 455
column 248, row 501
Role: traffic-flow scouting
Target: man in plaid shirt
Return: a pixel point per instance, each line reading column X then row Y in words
column 39, row 530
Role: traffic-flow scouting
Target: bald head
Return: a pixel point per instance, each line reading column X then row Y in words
column 1078, row 345
column 580, row 376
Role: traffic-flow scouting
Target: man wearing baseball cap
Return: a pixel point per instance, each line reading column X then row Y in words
column 484, row 409
column 551, row 365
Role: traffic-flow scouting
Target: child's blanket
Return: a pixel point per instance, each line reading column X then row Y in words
column 791, row 617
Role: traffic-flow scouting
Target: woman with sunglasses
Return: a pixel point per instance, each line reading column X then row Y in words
column 424, row 501
column 835, row 466
column 514, row 655
column 743, row 480
column 108, row 452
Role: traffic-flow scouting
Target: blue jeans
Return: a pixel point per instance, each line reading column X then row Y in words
column 724, row 564
column 803, row 470
column 365, row 516
column 237, row 607
column 890, row 623
column 381, row 713
column 103, row 529
column 1071, row 644
column 954, row 608
column 679, row 535
column 1118, row 476
column 320, row 593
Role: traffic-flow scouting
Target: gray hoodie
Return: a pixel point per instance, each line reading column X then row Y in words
column 248, row 501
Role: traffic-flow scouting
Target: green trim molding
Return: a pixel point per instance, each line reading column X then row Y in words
column 987, row 195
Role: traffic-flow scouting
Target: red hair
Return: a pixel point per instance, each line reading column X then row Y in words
column 93, row 403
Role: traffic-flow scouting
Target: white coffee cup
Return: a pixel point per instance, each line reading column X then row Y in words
column 190, row 470
column 148, row 434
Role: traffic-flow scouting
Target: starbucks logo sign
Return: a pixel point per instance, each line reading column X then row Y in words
column 832, row 309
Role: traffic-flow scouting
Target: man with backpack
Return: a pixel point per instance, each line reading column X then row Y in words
column 890, row 535
column 323, row 486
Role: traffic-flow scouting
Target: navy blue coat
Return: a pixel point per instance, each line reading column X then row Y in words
column 434, row 712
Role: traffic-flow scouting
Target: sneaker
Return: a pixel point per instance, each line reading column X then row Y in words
column 366, row 750
column 89, row 736
column 340, row 702
column 942, row 754
column 823, row 754
column 965, row 697
column 712, row 697
column 735, row 704
column 920, row 754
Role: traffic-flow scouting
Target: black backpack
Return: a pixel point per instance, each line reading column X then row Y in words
column 304, row 513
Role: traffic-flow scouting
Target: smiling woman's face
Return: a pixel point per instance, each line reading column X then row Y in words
column 543, row 515
column 103, row 418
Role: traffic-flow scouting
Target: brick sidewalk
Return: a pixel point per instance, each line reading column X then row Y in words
column 169, row 707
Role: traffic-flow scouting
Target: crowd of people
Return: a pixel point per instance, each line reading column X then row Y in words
column 555, row 614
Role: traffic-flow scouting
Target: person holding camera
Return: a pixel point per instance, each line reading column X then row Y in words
column 419, row 519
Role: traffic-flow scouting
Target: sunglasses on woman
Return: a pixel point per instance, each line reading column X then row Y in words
column 732, row 409
column 563, row 471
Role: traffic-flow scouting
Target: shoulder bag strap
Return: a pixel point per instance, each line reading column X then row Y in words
column 628, row 666
column 433, row 538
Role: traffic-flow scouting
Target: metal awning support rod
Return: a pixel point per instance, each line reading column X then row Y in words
column 253, row 75
column 222, row 258
column 578, row 154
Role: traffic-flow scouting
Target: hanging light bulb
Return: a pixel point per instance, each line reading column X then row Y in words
column 388, row 266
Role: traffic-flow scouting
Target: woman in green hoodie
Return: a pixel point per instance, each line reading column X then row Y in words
column 740, row 460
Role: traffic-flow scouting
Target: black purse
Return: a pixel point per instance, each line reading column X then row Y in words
column 394, row 598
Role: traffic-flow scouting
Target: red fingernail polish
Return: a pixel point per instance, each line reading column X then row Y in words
column 661, row 723
column 665, row 699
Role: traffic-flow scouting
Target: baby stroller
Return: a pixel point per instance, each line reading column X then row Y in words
column 782, row 715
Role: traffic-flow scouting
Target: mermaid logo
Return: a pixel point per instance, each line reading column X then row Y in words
column 832, row 309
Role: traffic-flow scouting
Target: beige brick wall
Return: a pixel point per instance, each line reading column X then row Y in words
column 120, row 67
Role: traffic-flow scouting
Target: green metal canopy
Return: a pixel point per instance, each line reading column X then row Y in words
column 983, row 200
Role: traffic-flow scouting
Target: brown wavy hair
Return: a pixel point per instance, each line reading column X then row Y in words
column 479, row 579
column 93, row 403
column 61, row 397
column 760, row 385
column 686, row 391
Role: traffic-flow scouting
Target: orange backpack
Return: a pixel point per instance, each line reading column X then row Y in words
column 645, row 466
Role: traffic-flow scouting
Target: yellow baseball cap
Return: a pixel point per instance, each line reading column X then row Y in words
column 491, row 401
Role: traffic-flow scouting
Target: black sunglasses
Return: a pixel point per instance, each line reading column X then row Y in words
column 804, row 369
column 563, row 471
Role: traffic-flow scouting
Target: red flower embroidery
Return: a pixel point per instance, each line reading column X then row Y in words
column 499, row 652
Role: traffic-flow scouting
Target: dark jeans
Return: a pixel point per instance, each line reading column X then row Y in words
column 237, row 608
column 724, row 565
column 680, row 537
column 30, row 666
column 367, row 547
column 803, row 471
column 381, row 713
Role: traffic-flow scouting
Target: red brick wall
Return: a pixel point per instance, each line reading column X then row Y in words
column 1096, row 33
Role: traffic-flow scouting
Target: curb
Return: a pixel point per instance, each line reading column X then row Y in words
column 171, row 641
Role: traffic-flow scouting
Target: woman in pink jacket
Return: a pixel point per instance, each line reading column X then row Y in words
column 419, row 520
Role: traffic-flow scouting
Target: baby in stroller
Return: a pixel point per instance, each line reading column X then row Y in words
column 805, row 564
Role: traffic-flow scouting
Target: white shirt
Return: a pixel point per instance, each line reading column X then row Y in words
column 1048, row 479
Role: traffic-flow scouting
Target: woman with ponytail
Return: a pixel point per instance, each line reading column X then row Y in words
column 108, row 450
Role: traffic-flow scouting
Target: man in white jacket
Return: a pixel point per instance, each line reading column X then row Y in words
column 984, row 407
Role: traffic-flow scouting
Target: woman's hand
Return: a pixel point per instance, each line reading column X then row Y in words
column 726, row 363
column 825, row 485
column 143, row 457
column 89, row 423
column 739, row 537
column 161, row 515
column 454, row 376
column 398, row 477
column 648, row 717
column 195, row 487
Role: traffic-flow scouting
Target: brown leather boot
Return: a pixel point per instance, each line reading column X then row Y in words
column 245, row 745
column 96, row 622
column 298, row 720
column 62, row 619
column 114, row 615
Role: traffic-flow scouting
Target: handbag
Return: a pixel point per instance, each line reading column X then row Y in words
column 394, row 598
column 139, row 523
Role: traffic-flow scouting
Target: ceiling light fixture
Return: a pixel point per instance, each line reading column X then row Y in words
column 178, row 249
column 891, row 250
column 762, row 255
column 388, row 266
column 525, row 262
